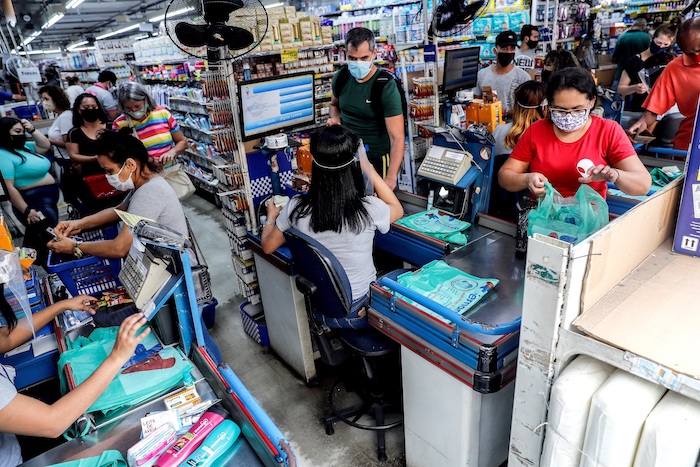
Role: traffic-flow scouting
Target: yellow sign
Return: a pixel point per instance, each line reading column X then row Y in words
column 290, row 55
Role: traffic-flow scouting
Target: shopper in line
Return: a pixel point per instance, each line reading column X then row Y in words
column 503, row 76
column 52, row 78
column 678, row 84
column 74, row 89
column 129, row 168
column 352, row 106
column 660, row 48
column 530, row 105
column 555, row 149
column 89, row 120
column 32, row 189
column 55, row 100
column 153, row 125
column 525, row 55
column 24, row 415
column 336, row 211
column 556, row 60
column 106, row 80
column 632, row 42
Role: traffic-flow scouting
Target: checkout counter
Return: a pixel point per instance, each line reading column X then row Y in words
column 180, row 326
column 458, row 374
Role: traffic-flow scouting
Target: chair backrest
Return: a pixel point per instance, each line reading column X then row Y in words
column 317, row 264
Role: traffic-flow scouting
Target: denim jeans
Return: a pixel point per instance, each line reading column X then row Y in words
column 45, row 199
column 353, row 320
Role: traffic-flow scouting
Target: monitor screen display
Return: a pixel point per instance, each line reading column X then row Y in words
column 461, row 67
column 271, row 105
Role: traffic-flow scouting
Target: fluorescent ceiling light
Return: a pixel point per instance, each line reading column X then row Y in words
column 74, row 3
column 78, row 49
column 34, row 35
column 175, row 13
column 37, row 52
column 274, row 5
column 118, row 31
column 139, row 37
column 77, row 44
column 53, row 20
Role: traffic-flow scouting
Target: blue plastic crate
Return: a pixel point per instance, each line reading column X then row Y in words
column 89, row 275
column 209, row 313
column 254, row 322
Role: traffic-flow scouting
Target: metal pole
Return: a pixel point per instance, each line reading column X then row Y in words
column 12, row 36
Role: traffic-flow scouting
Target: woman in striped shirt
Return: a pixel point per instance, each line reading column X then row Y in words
column 152, row 124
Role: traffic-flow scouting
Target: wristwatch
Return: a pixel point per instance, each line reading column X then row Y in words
column 77, row 252
column 32, row 132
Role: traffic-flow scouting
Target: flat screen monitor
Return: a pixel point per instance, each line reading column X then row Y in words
column 461, row 67
column 271, row 105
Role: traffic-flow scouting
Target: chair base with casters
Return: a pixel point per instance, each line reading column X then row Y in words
column 334, row 317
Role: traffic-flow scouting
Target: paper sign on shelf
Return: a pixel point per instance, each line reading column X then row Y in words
column 29, row 75
column 290, row 55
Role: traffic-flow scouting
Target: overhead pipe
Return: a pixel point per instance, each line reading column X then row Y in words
column 9, row 12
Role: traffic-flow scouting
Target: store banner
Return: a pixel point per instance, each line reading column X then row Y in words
column 687, row 239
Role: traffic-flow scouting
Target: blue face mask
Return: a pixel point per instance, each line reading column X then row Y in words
column 359, row 69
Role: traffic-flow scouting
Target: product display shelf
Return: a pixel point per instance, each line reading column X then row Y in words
column 563, row 283
column 388, row 5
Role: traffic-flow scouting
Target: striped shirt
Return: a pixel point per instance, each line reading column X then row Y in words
column 155, row 131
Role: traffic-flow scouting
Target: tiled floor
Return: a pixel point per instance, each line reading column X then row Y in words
column 294, row 407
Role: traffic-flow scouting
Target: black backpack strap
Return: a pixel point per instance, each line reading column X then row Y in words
column 341, row 81
column 383, row 78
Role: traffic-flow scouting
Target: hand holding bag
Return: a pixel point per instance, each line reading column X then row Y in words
column 178, row 179
column 568, row 219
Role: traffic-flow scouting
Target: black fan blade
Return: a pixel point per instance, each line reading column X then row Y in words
column 218, row 11
column 237, row 38
column 191, row 35
column 451, row 13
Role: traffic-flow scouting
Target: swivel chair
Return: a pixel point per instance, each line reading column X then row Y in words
column 328, row 299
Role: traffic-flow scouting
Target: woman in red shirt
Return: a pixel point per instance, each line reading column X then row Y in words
column 573, row 147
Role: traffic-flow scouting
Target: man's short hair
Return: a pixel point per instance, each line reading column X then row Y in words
column 356, row 36
column 107, row 76
column 526, row 31
column 640, row 23
column 686, row 31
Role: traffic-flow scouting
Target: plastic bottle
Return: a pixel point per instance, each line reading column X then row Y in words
column 218, row 442
column 191, row 440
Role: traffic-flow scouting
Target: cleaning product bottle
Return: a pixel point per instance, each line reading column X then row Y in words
column 217, row 443
column 191, row 440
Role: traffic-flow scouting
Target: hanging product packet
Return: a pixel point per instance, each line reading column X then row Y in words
column 437, row 225
column 568, row 219
column 447, row 286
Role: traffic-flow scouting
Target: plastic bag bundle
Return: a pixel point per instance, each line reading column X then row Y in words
column 568, row 219
column 670, row 435
column 569, row 404
column 110, row 458
column 662, row 176
column 154, row 374
column 436, row 225
column 12, row 280
column 447, row 286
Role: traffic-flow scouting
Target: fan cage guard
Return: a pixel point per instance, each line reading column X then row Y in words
column 458, row 29
column 251, row 17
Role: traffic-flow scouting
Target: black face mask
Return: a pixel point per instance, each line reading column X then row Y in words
column 91, row 115
column 505, row 58
column 18, row 141
column 655, row 48
column 532, row 44
column 545, row 75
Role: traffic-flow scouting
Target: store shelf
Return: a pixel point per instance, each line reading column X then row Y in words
column 388, row 5
column 324, row 75
column 572, row 343
column 278, row 52
column 78, row 70
column 203, row 161
column 170, row 61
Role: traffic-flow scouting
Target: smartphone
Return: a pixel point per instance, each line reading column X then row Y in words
column 53, row 234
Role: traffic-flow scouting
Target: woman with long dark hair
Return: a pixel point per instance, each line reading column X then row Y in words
column 32, row 189
column 89, row 120
column 55, row 100
column 335, row 211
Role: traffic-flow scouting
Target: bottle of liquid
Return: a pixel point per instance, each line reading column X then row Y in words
column 218, row 442
column 194, row 437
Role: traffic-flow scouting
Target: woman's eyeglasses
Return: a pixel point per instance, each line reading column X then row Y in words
column 561, row 113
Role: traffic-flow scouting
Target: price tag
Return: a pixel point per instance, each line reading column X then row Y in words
column 290, row 55
column 29, row 75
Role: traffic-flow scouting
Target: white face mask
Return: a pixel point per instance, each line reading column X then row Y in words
column 137, row 114
column 49, row 106
column 118, row 184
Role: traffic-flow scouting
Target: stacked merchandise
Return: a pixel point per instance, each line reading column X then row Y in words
column 287, row 28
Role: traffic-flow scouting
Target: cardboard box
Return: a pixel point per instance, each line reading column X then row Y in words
column 491, row 115
column 687, row 238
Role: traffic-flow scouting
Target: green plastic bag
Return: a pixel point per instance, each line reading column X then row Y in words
column 447, row 286
column 110, row 458
column 568, row 219
column 126, row 389
column 436, row 225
